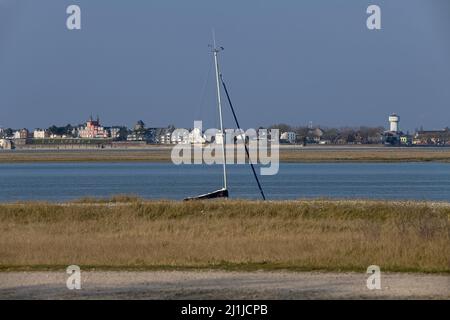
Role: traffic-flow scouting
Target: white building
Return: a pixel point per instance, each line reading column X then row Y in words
column 21, row 134
column 165, row 138
column 117, row 132
column 40, row 134
column 394, row 120
column 196, row 137
column 290, row 137
column 219, row 137
column 5, row 144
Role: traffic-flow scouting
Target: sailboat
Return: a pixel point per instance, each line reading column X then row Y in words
column 223, row 192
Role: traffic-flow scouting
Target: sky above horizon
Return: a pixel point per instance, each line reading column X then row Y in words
column 290, row 62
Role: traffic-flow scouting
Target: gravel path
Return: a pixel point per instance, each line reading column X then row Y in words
column 221, row 285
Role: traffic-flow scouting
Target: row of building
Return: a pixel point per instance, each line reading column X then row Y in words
column 92, row 130
column 393, row 136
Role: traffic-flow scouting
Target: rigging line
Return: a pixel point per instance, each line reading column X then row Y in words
column 245, row 145
column 203, row 93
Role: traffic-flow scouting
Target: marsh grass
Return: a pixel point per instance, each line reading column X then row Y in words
column 120, row 198
column 128, row 233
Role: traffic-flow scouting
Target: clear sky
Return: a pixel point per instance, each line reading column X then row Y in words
column 284, row 61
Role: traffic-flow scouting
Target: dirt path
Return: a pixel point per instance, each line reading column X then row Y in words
column 221, row 285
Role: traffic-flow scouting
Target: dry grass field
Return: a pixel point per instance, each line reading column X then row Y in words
column 127, row 233
column 287, row 154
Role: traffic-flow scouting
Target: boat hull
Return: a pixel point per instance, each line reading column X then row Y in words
column 222, row 193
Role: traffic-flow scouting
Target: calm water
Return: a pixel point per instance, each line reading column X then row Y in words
column 58, row 182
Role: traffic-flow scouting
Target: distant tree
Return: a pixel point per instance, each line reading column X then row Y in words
column 348, row 135
column 330, row 134
column 8, row 132
column 61, row 131
column 123, row 133
column 53, row 130
column 69, row 131
column 351, row 138
column 282, row 127
column 139, row 126
column 301, row 131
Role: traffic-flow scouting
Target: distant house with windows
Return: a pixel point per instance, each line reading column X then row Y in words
column 118, row 133
column 93, row 130
column 164, row 136
column 432, row 137
column 314, row 135
column 40, row 134
column 21, row 134
column 140, row 133
column 288, row 137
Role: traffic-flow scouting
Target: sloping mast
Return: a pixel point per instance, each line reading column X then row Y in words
column 222, row 193
column 216, row 51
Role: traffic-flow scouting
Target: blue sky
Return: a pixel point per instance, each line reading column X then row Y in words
column 284, row 61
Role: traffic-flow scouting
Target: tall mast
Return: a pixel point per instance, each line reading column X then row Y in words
column 216, row 51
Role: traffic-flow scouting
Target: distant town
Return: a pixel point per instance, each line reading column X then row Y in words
column 93, row 134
